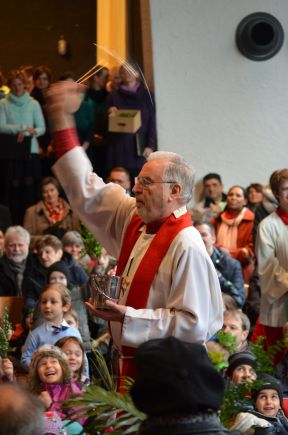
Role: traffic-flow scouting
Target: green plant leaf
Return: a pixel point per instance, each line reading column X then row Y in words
column 5, row 330
column 91, row 246
column 103, row 406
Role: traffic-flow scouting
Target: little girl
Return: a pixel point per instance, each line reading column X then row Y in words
column 55, row 301
column 74, row 351
column 50, row 378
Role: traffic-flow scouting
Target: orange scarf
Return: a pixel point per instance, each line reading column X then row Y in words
column 54, row 214
column 228, row 230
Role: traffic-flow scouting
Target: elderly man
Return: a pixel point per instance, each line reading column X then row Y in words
column 13, row 262
column 170, row 286
column 20, row 411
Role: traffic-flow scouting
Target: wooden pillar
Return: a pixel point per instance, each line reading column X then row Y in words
column 111, row 49
column 146, row 41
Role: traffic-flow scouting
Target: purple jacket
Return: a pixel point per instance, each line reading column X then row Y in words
column 121, row 147
column 59, row 392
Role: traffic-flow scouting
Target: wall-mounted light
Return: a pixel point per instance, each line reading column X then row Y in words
column 62, row 46
column 259, row 36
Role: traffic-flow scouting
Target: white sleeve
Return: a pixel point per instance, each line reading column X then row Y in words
column 192, row 299
column 106, row 209
column 271, row 251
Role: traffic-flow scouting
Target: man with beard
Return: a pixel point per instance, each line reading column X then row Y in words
column 13, row 262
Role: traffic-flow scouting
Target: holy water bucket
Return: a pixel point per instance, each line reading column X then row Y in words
column 103, row 288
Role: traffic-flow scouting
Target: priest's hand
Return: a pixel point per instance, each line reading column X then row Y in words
column 63, row 99
column 113, row 313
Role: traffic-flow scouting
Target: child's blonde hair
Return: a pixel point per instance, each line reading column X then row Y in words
column 47, row 350
column 73, row 314
column 61, row 289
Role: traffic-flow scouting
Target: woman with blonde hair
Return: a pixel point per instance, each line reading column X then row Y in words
column 20, row 118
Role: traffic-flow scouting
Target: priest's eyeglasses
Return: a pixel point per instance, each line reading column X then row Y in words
column 146, row 182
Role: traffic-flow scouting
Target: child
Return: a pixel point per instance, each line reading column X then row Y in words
column 74, row 351
column 267, row 417
column 55, row 300
column 72, row 318
column 49, row 250
column 50, row 378
column 6, row 370
column 60, row 273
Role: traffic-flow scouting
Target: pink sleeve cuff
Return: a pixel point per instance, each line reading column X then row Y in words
column 65, row 140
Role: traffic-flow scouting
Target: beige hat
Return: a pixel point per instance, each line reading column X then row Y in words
column 43, row 351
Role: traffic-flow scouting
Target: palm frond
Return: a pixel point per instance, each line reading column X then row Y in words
column 104, row 376
column 102, row 406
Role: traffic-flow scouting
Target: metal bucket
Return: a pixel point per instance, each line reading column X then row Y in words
column 103, row 288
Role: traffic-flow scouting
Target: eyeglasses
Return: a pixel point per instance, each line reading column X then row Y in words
column 146, row 182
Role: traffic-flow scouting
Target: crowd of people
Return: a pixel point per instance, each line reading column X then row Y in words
column 186, row 273
column 23, row 119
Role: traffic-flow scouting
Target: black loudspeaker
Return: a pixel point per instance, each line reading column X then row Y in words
column 259, row 36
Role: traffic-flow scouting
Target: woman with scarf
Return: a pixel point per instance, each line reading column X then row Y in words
column 20, row 117
column 51, row 215
column 131, row 150
column 234, row 228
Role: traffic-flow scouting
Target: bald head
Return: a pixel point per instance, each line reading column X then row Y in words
column 20, row 411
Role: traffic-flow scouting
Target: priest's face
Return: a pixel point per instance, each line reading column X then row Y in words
column 154, row 199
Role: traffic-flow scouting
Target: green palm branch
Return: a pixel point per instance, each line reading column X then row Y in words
column 5, row 330
column 103, row 407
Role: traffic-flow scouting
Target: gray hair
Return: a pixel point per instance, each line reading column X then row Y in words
column 19, row 231
column 178, row 170
column 20, row 411
column 72, row 237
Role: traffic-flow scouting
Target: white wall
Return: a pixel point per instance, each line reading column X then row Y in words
column 221, row 111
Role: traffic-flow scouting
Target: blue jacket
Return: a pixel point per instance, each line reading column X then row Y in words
column 44, row 334
column 230, row 275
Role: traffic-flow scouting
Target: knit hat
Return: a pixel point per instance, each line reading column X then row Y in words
column 239, row 358
column 267, row 382
column 174, row 377
column 60, row 266
column 52, row 351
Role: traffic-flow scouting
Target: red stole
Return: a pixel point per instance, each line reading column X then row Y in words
column 148, row 267
column 283, row 215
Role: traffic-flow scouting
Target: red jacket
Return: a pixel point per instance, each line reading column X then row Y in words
column 244, row 237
